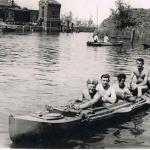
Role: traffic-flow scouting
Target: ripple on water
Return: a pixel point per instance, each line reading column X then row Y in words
column 38, row 69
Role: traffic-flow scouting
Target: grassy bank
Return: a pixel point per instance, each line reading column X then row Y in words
column 141, row 27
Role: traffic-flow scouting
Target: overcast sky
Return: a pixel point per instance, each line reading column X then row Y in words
column 87, row 8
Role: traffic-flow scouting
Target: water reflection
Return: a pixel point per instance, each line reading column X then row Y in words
column 39, row 69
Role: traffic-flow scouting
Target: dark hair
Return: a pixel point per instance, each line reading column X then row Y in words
column 92, row 81
column 105, row 76
column 140, row 59
column 121, row 76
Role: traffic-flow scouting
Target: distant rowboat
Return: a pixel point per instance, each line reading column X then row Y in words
column 91, row 43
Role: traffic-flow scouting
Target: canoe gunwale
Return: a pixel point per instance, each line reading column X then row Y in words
column 91, row 43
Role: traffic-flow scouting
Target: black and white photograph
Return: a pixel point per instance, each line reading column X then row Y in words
column 74, row 74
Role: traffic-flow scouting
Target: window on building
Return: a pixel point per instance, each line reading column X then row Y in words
column 54, row 14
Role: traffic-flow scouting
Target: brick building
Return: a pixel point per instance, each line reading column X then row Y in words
column 48, row 15
column 13, row 14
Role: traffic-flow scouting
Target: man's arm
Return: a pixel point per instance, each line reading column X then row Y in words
column 127, row 91
column 145, row 79
column 132, row 77
column 79, row 99
column 91, row 102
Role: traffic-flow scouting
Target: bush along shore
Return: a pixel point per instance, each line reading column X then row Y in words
column 128, row 22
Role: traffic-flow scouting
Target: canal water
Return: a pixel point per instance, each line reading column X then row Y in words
column 39, row 69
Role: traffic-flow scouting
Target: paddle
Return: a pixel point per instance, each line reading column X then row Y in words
column 139, row 102
column 65, row 110
column 124, row 110
column 146, row 96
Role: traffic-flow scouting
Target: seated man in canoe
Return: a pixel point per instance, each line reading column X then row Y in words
column 90, row 97
column 106, row 39
column 122, row 91
column 139, row 78
column 107, row 92
column 95, row 38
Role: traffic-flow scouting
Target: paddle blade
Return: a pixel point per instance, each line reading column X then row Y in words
column 124, row 110
column 146, row 97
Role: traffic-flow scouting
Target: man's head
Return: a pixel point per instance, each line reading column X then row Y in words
column 140, row 63
column 91, row 85
column 105, row 78
column 121, row 79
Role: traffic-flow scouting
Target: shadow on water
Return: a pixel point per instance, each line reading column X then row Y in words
column 97, row 134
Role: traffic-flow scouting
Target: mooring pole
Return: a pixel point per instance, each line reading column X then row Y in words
column 132, row 35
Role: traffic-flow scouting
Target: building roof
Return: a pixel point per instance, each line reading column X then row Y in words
column 49, row 2
column 53, row 2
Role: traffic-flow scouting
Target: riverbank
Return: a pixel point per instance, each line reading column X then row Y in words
column 28, row 28
column 141, row 27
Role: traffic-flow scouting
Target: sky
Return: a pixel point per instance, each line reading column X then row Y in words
column 84, row 9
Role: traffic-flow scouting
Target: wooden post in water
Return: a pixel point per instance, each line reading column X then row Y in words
column 23, row 29
column 132, row 35
column 30, row 29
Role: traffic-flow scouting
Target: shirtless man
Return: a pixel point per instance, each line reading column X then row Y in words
column 90, row 96
column 122, row 91
column 107, row 92
column 139, row 78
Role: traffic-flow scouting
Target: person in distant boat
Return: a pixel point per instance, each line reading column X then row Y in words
column 122, row 91
column 90, row 96
column 106, row 39
column 107, row 92
column 139, row 78
column 95, row 38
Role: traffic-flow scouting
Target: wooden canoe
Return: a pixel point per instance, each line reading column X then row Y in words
column 55, row 120
column 91, row 43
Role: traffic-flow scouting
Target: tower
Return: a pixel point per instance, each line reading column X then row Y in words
column 49, row 14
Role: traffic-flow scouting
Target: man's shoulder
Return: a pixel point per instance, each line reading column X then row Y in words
column 115, row 86
column 135, row 70
column 99, row 86
column 84, row 91
column 145, row 71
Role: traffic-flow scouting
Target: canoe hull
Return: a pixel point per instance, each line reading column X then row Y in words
column 27, row 126
column 91, row 43
column 21, row 127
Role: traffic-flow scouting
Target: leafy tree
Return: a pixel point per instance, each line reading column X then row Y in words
column 122, row 16
column 90, row 22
